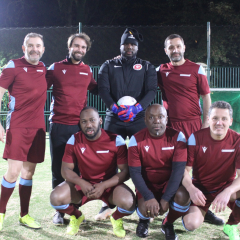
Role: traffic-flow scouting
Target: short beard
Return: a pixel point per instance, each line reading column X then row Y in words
column 177, row 59
column 94, row 135
column 76, row 59
column 128, row 57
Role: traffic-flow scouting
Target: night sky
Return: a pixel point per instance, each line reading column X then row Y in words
column 39, row 13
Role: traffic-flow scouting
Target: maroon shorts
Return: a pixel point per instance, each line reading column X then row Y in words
column 25, row 144
column 158, row 193
column 210, row 196
column 105, row 196
column 187, row 127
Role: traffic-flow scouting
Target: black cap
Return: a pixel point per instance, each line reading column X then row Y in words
column 131, row 35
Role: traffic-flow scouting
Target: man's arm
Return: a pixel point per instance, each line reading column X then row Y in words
column 70, row 176
column 150, row 86
column 93, row 87
column 135, row 169
column 196, row 195
column 50, row 76
column 178, row 167
column 119, row 178
column 206, row 105
column 2, row 132
column 222, row 199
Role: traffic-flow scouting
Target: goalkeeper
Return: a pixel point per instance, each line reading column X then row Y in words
column 127, row 76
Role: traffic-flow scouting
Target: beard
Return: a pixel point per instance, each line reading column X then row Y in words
column 176, row 58
column 75, row 57
column 124, row 54
column 90, row 137
column 28, row 55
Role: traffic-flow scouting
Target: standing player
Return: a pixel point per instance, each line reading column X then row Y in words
column 25, row 137
column 182, row 82
column 71, row 79
column 214, row 156
column 97, row 154
column 126, row 76
column 157, row 157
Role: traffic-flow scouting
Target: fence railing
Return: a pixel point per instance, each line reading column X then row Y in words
column 221, row 77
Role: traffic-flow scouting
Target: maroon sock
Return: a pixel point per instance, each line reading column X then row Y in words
column 6, row 192
column 234, row 217
column 120, row 212
column 71, row 210
column 25, row 190
column 175, row 211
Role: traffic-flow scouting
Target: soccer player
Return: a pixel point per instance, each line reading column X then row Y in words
column 98, row 154
column 214, row 156
column 157, row 158
column 24, row 78
column 182, row 82
column 126, row 76
column 71, row 79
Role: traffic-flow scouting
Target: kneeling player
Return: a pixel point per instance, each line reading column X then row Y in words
column 98, row 154
column 213, row 154
column 157, row 157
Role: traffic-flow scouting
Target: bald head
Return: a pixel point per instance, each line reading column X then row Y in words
column 156, row 120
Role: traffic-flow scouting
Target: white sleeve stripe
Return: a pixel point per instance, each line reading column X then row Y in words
column 181, row 137
column 119, row 141
column 71, row 140
column 51, row 67
column 132, row 142
column 192, row 140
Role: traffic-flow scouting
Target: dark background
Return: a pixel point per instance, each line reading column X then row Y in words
column 105, row 20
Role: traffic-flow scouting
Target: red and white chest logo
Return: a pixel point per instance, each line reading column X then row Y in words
column 137, row 67
column 64, row 71
column 83, row 149
column 167, row 74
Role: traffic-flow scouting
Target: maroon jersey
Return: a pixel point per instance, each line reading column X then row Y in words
column 97, row 160
column 214, row 162
column 156, row 155
column 27, row 86
column 181, row 87
column 70, row 84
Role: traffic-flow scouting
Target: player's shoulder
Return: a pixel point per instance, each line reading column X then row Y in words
column 112, row 137
column 175, row 134
column 234, row 134
column 200, row 136
column 138, row 137
column 191, row 64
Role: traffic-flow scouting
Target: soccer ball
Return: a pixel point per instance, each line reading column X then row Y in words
column 127, row 100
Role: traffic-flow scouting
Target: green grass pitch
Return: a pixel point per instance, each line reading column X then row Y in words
column 41, row 210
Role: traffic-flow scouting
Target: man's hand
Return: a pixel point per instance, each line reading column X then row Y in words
column 152, row 208
column 164, row 206
column 86, row 187
column 115, row 108
column 2, row 132
column 221, row 201
column 197, row 197
column 97, row 191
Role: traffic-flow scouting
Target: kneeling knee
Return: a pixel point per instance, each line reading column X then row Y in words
column 190, row 225
column 55, row 198
column 128, row 203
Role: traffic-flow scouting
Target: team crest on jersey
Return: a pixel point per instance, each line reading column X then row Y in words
column 167, row 74
column 83, row 149
column 64, row 71
column 204, row 149
column 25, row 69
column 137, row 67
column 146, row 148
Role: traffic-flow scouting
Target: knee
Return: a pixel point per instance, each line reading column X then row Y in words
column 191, row 224
column 56, row 197
column 12, row 175
column 182, row 196
column 128, row 202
